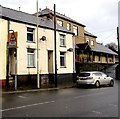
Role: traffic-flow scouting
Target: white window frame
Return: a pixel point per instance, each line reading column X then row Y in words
column 92, row 42
column 75, row 30
column 68, row 26
column 62, row 40
column 60, row 22
column 63, row 58
column 32, row 32
column 30, row 56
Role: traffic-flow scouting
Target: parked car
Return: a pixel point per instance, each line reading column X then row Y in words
column 95, row 78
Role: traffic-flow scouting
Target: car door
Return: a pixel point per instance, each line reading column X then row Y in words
column 106, row 79
column 98, row 77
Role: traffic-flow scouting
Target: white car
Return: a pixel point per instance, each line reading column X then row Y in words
column 96, row 78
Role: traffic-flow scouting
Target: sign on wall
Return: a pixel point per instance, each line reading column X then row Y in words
column 12, row 41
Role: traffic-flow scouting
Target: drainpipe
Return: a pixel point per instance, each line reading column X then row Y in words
column 7, row 60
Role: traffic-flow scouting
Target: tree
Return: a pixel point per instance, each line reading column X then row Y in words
column 112, row 46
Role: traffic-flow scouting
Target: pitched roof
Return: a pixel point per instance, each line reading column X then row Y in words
column 48, row 11
column 26, row 18
column 101, row 48
column 90, row 34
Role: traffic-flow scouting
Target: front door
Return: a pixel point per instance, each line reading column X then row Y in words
column 50, row 62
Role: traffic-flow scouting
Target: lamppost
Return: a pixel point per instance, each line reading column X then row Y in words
column 55, row 45
column 38, row 77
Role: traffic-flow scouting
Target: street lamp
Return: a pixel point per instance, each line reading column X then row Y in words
column 38, row 77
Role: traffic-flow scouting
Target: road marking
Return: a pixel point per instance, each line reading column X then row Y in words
column 96, row 112
column 25, row 106
column 88, row 95
column 21, row 96
column 113, row 105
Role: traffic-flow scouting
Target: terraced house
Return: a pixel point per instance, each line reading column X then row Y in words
column 18, row 49
column 88, row 51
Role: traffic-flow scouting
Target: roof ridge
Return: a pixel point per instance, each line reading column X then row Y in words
column 16, row 10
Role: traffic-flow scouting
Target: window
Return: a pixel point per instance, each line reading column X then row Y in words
column 30, row 34
column 87, row 40
column 92, row 43
column 84, row 74
column 68, row 26
column 99, row 58
column 62, row 40
column 106, row 58
column 97, row 74
column 30, row 57
column 93, row 57
column 62, row 59
column 75, row 30
column 60, row 22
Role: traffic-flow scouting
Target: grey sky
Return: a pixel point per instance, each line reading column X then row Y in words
column 99, row 16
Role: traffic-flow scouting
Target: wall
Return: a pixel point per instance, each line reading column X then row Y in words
column 44, row 47
column 3, row 43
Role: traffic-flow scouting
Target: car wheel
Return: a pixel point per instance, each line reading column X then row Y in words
column 111, row 83
column 97, row 84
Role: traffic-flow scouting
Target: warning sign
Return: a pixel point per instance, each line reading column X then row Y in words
column 12, row 40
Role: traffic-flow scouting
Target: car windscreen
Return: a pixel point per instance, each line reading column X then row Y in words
column 84, row 74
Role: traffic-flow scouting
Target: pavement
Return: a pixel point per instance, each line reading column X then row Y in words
column 40, row 89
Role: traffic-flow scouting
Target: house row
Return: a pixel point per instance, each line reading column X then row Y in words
column 20, row 47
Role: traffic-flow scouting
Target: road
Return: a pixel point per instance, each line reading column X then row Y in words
column 72, row 102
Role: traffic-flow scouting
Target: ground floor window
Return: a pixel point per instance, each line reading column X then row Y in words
column 30, row 57
column 62, row 59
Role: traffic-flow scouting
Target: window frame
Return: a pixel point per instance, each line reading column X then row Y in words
column 30, row 55
column 92, row 42
column 30, row 31
column 75, row 30
column 63, row 56
column 69, row 26
column 60, row 22
column 63, row 40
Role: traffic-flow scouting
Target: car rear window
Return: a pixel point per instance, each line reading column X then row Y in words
column 84, row 74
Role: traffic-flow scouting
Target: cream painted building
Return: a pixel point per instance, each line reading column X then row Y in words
column 24, row 25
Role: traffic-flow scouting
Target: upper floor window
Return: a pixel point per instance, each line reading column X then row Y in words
column 60, row 22
column 75, row 30
column 30, row 34
column 30, row 57
column 92, row 43
column 68, row 26
column 62, row 40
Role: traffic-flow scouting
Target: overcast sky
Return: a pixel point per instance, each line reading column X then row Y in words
column 99, row 16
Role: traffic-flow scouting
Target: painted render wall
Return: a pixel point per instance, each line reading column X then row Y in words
column 3, row 41
column 44, row 46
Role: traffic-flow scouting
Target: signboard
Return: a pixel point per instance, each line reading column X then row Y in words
column 12, row 41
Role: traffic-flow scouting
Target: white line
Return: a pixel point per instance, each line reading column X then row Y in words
column 21, row 96
column 88, row 95
column 25, row 106
column 113, row 105
column 96, row 112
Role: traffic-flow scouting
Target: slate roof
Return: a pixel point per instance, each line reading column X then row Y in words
column 101, row 48
column 26, row 18
column 90, row 34
column 47, row 11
